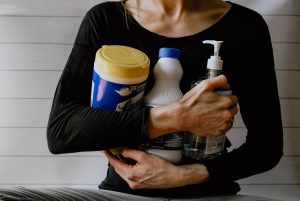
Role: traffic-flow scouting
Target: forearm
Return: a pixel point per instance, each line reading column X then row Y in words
column 74, row 127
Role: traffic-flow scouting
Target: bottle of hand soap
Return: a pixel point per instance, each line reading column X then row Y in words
column 204, row 148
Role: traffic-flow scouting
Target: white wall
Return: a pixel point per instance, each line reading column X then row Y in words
column 36, row 37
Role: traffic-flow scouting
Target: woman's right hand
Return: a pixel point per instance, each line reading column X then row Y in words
column 201, row 111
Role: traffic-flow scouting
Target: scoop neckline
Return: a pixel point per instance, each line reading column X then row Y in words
column 213, row 26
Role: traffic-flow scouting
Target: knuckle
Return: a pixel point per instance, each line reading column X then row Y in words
column 228, row 102
column 143, row 156
column 234, row 99
column 130, row 175
column 227, row 116
column 218, row 132
column 225, row 128
column 133, row 185
column 204, row 84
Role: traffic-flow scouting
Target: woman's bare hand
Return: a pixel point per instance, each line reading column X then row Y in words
column 153, row 172
column 201, row 111
column 207, row 113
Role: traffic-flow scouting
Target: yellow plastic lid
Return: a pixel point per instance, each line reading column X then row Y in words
column 122, row 61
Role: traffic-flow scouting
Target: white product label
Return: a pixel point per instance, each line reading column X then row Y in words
column 214, row 145
column 171, row 141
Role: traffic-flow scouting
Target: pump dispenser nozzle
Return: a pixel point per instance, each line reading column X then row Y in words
column 216, row 44
column 214, row 62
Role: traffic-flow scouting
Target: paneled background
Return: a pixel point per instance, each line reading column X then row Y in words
column 36, row 37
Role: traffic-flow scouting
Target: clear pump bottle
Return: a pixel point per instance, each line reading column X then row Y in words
column 166, row 90
column 205, row 148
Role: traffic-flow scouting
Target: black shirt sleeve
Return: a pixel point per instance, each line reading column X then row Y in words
column 73, row 125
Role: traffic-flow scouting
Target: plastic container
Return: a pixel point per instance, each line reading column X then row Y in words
column 166, row 90
column 205, row 148
column 119, row 78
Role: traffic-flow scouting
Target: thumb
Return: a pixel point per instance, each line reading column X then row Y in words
column 219, row 82
column 133, row 154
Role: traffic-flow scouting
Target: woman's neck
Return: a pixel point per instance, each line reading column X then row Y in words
column 171, row 8
column 189, row 16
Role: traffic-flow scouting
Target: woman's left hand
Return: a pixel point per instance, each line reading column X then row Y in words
column 153, row 172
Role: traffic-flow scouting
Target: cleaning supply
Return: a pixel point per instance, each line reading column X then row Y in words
column 119, row 79
column 204, row 148
column 167, row 72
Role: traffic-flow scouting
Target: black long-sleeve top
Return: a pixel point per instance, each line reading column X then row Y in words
column 74, row 126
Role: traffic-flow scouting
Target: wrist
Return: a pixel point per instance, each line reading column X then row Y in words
column 194, row 174
column 163, row 120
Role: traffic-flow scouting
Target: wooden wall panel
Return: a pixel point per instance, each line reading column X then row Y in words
column 286, row 172
column 273, row 7
column 290, row 25
column 28, row 84
column 71, row 8
column 29, row 57
column 282, row 192
column 291, row 137
column 24, row 113
column 49, row 30
column 29, row 142
column 288, row 84
column 52, row 170
column 286, row 56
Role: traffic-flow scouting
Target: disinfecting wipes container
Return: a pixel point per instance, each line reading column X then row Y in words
column 119, row 77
